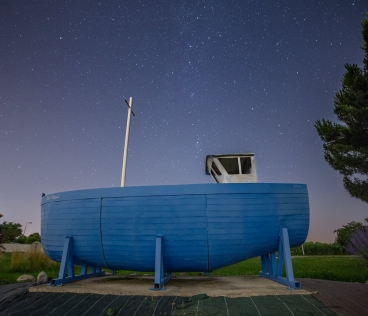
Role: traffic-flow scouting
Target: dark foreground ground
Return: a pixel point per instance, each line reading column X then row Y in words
column 328, row 298
column 344, row 298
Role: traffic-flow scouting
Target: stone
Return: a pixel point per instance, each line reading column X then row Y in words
column 42, row 277
column 26, row 277
column 36, row 246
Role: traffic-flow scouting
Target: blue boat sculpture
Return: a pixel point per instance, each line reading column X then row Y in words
column 197, row 227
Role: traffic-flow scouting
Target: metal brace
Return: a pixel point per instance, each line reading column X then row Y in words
column 67, row 267
column 275, row 266
column 161, row 278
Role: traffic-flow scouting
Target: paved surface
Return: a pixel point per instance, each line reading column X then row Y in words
column 344, row 298
column 10, row 294
column 237, row 286
column 61, row 304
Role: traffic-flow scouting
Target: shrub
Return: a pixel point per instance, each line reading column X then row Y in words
column 317, row 249
column 31, row 240
column 33, row 237
column 28, row 240
column 358, row 243
column 345, row 232
column 21, row 239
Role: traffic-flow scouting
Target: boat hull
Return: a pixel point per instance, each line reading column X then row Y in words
column 204, row 226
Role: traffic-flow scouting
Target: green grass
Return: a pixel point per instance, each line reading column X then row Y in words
column 13, row 265
column 248, row 267
column 336, row 268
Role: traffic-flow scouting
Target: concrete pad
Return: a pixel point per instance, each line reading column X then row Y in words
column 233, row 286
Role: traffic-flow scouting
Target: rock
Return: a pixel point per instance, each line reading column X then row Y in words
column 36, row 246
column 315, row 292
column 26, row 277
column 42, row 277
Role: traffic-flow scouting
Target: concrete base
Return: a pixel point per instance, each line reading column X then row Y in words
column 234, row 286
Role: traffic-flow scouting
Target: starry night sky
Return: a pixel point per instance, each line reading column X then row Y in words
column 207, row 77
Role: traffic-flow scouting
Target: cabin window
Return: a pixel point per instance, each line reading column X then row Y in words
column 246, row 165
column 231, row 165
column 215, row 169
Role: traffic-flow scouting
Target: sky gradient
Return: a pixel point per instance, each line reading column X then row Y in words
column 207, row 77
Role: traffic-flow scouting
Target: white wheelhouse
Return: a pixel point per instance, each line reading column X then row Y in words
column 232, row 168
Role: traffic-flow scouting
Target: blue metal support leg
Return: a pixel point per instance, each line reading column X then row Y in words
column 67, row 272
column 275, row 266
column 160, row 277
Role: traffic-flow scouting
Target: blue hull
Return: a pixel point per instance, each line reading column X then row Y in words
column 204, row 226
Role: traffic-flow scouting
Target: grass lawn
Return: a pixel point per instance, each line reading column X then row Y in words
column 336, row 268
column 8, row 275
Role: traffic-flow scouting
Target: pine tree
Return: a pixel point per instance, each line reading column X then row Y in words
column 346, row 145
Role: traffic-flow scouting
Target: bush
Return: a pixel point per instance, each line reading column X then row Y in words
column 358, row 243
column 28, row 240
column 21, row 239
column 319, row 249
column 345, row 232
column 31, row 240
column 33, row 237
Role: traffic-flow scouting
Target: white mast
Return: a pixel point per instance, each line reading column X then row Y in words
column 126, row 141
